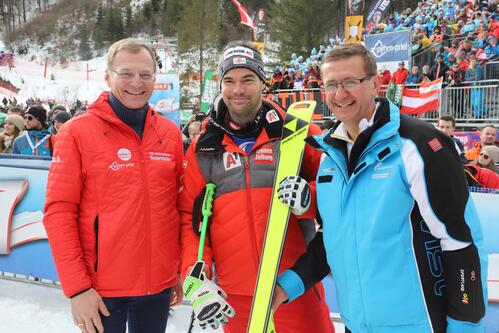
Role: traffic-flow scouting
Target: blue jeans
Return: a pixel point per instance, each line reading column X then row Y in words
column 144, row 314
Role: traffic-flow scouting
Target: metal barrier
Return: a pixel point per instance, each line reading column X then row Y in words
column 492, row 70
column 469, row 103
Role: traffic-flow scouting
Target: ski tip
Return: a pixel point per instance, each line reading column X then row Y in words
column 303, row 105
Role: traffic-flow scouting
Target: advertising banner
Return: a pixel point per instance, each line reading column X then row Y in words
column 165, row 98
column 353, row 29
column 209, row 89
column 377, row 11
column 390, row 48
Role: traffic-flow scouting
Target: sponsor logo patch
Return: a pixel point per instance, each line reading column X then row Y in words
column 231, row 161
column 239, row 51
column 435, row 145
column 239, row 61
column 271, row 116
column 124, row 154
column 159, row 156
column 115, row 166
column 264, row 155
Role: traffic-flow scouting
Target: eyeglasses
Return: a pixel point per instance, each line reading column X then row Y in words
column 30, row 118
column 484, row 156
column 128, row 76
column 349, row 84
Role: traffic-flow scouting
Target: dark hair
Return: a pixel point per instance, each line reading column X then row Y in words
column 352, row 50
column 449, row 118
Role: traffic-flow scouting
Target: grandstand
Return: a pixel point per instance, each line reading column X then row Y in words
column 459, row 31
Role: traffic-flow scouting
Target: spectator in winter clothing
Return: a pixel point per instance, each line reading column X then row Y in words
column 447, row 124
column 14, row 128
column 400, row 74
column 110, row 210
column 481, row 177
column 38, row 140
column 375, row 159
column 488, row 158
column 440, row 68
column 492, row 50
column 427, row 76
column 416, row 77
column 237, row 151
column 60, row 119
column 384, row 76
column 487, row 137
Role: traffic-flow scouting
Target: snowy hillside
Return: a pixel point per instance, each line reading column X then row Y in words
column 67, row 84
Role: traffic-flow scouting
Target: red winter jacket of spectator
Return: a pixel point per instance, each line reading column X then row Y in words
column 487, row 178
column 400, row 75
column 384, row 79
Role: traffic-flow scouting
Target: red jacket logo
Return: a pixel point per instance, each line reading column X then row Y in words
column 231, row 161
column 264, row 155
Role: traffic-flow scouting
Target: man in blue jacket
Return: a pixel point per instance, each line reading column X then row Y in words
column 401, row 234
column 38, row 140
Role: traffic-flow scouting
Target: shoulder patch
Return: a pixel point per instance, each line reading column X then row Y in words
column 435, row 144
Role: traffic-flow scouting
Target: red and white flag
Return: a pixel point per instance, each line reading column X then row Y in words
column 423, row 100
column 245, row 18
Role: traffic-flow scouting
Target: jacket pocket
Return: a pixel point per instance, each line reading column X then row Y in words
column 96, row 231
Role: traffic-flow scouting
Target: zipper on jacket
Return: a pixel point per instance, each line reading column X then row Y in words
column 251, row 224
column 96, row 231
column 148, row 221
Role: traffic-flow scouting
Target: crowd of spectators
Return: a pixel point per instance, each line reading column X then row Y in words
column 456, row 31
column 31, row 130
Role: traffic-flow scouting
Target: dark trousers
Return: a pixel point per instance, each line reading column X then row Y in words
column 144, row 314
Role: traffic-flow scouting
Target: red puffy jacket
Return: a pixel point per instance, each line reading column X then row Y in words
column 242, row 199
column 110, row 211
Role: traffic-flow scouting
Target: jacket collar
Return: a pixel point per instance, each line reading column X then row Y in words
column 212, row 140
column 386, row 124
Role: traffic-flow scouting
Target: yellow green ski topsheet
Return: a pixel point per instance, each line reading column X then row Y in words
column 295, row 130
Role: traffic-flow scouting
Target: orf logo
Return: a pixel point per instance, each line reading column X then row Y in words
column 124, row 154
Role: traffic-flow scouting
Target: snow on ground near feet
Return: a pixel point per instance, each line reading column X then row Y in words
column 28, row 308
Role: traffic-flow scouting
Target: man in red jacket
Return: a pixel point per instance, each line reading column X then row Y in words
column 238, row 151
column 110, row 211
column 400, row 74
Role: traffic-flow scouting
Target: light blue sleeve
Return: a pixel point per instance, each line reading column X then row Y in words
column 292, row 284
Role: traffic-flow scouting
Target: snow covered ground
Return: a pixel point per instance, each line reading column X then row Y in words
column 28, row 308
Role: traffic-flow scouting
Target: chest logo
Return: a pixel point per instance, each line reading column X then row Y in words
column 124, row 154
column 231, row 161
column 264, row 155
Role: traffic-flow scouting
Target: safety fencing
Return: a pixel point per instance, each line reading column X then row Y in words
column 469, row 102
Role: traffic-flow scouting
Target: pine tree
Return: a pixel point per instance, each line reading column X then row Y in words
column 298, row 26
column 99, row 28
column 129, row 24
column 170, row 17
column 197, row 28
column 84, row 48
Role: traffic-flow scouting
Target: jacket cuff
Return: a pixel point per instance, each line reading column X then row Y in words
column 292, row 284
column 456, row 326
column 79, row 293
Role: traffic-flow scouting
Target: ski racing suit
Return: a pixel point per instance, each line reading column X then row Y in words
column 240, row 210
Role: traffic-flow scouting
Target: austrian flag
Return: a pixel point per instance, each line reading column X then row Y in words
column 245, row 18
column 423, row 100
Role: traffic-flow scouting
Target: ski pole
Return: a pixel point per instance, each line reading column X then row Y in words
column 206, row 212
